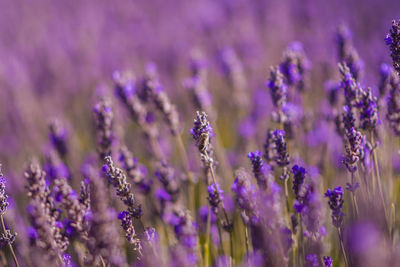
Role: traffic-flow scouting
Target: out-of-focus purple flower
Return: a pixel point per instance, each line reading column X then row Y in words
column 234, row 71
column 278, row 88
column 54, row 166
column 162, row 195
column 332, row 89
column 214, row 196
column 335, row 202
column 202, row 99
column 393, row 105
column 295, row 66
column 312, row 260
column 393, row 41
column 154, row 90
column 104, row 123
column 137, row 173
column 328, row 261
column 245, row 196
column 269, row 153
column 186, row 233
column 58, row 137
column 103, row 237
column 281, row 155
column 347, row 53
column 352, row 90
column 388, row 78
column 69, row 200
column 353, row 149
column 203, row 214
column 260, row 170
column 368, row 111
column 299, row 174
column 169, row 180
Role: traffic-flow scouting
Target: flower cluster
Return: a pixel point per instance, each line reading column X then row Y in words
column 104, row 123
column 393, row 41
column 335, row 201
column 117, row 179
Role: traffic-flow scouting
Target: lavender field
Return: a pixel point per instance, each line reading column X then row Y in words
column 200, row 133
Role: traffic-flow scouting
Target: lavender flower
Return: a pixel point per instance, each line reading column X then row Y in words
column 352, row 90
column 281, row 155
column 199, row 93
column 393, row 106
column 54, row 166
column 7, row 238
column 269, row 153
column 245, row 196
column 117, row 179
column 393, row 41
column 163, row 104
column 277, row 88
column 75, row 210
column 137, row 173
column 368, row 111
column 58, row 138
column 353, row 149
column 103, row 236
column 104, row 123
column 186, row 233
column 130, row 234
column 50, row 238
column 233, row 69
column 299, row 174
column 43, row 214
column 388, row 77
column 3, row 196
column 214, row 196
column 295, row 65
column 347, row 52
column 202, row 132
column 259, row 169
column 328, row 261
column 335, row 202
column 168, row 178
column 312, row 260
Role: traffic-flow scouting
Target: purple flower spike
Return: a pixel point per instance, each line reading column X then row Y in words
column 328, row 261
column 259, row 169
column 335, row 202
column 393, row 41
column 214, row 196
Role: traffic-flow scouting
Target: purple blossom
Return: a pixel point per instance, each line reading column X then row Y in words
column 214, row 196
column 260, row 170
column 393, row 41
column 335, row 202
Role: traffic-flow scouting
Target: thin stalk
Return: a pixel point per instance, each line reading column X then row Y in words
column 378, row 176
column 103, row 264
column 342, row 247
column 3, row 226
column 220, row 238
column 185, row 164
column 221, row 204
column 246, row 234
column 353, row 197
column 207, row 244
